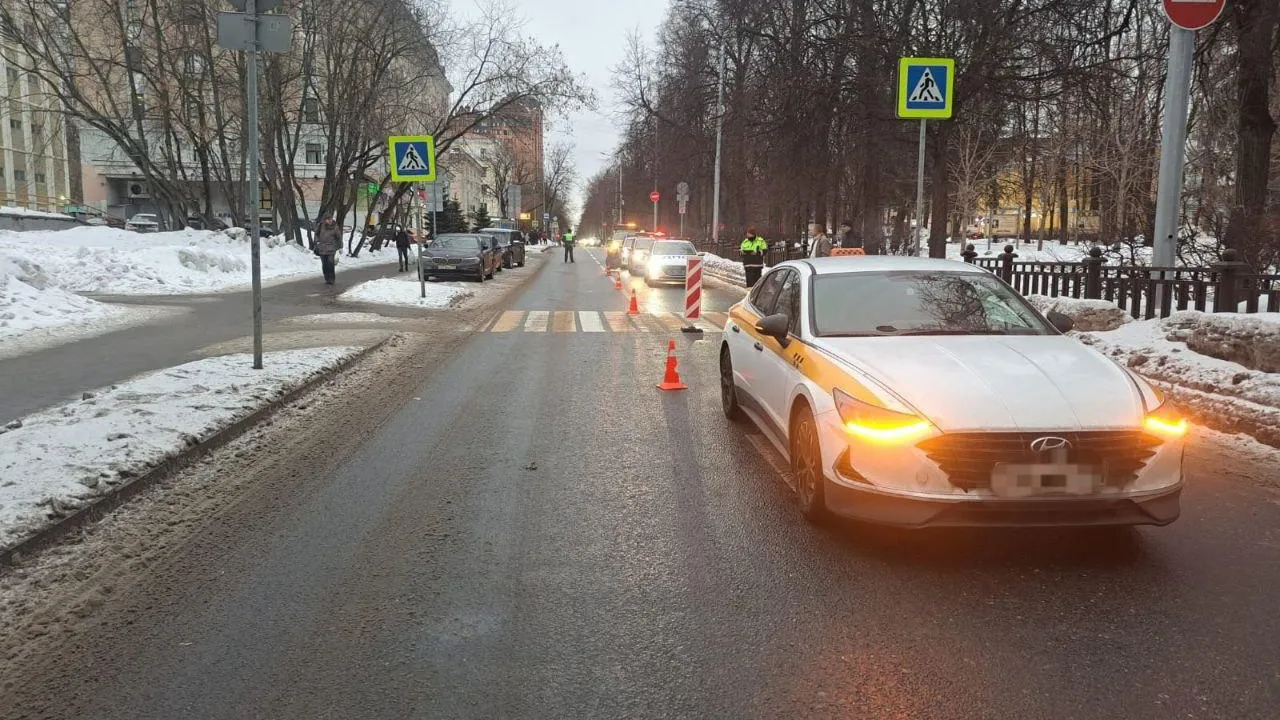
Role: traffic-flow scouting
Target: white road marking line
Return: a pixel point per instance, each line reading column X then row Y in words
column 590, row 321
column 537, row 321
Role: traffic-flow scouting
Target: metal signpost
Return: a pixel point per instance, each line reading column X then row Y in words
column 682, row 197
column 1186, row 16
column 926, row 91
column 250, row 31
column 431, row 202
column 715, row 193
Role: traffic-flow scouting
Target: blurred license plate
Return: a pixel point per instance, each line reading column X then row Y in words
column 1030, row 480
column 447, row 267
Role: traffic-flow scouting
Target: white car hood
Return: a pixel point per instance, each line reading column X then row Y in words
column 1016, row 382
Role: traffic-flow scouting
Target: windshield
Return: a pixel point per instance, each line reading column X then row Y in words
column 920, row 303
column 457, row 242
column 143, row 217
column 669, row 247
column 643, row 243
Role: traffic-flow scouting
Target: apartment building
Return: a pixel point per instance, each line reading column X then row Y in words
column 36, row 172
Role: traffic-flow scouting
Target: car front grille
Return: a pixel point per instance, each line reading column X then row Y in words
column 968, row 458
column 673, row 270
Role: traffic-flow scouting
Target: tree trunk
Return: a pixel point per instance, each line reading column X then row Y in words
column 1256, row 25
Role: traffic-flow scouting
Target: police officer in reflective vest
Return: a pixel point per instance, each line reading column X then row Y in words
column 753, row 249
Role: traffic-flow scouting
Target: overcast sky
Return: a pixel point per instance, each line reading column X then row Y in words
column 591, row 35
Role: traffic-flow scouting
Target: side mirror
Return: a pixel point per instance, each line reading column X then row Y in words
column 1062, row 322
column 701, row 254
column 775, row 326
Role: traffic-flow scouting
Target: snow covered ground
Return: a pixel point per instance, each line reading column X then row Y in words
column 408, row 293
column 41, row 272
column 1220, row 393
column 59, row 459
column 115, row 261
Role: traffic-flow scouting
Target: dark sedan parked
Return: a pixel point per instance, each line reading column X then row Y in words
column 512, row 245
column 471, row 256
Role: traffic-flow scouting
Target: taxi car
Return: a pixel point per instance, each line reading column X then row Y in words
column 668, row 260
column 918, row 392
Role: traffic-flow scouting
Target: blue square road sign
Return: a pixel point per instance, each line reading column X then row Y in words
column 413, row 158
column 926, row 88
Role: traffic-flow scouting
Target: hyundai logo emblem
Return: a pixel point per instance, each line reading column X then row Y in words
column 1049, row 444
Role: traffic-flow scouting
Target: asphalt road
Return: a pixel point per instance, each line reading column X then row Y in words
column 532, row 530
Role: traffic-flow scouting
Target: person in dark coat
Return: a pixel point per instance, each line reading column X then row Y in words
column 402, row 248
column 328, row 245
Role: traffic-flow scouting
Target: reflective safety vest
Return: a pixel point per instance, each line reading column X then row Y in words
column 755, row 244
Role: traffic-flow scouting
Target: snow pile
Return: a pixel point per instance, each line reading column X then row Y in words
column 26, row 212
column 407, row 293
column 1087, row 315
column 60, row 459
column 111, row 260
column 1250, row 340
column 725, row 269
column 27, row 303
column 1218, row 393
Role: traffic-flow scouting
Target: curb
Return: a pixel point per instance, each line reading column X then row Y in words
column 166, row 468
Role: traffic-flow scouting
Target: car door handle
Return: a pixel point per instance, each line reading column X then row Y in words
column 735, row 328
column 759, row 347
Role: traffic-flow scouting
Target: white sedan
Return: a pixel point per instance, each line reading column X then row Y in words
column 918, row 392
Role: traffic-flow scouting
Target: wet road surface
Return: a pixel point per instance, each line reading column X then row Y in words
column 534, row 531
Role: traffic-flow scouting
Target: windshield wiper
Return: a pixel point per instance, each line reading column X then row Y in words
column 952, row 332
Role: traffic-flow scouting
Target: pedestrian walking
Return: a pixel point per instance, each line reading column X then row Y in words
column 847, row 238
column 328, row 245
column 819, row 244
column 402, row 248
column 569, row 242
column 753, row 249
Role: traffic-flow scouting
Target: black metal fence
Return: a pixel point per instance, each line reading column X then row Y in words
column 1145, row 292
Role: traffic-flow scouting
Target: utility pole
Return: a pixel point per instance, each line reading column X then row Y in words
column 250, row 31
column 1173, row 144
column 251, row 62
column 715, row 193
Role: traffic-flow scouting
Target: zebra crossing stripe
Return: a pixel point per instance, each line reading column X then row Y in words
column 562, row 322
column 617, row 322
column 537, row 321
column 590, row 322
column 507, row 321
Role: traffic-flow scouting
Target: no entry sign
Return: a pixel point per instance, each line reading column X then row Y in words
column 653, row 196
column 1193, row 14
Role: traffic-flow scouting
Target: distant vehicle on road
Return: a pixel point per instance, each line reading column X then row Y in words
column 513, row 246
column 668, row 261
column 635, row 252
column 918, row 392
column 468, row 255
column 143, row 223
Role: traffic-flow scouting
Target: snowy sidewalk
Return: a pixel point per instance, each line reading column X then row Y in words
column 41, row 272
column 408, row 293
column 62, row 459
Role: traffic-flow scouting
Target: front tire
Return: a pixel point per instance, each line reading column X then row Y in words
column 728, row 390
column 806, row 465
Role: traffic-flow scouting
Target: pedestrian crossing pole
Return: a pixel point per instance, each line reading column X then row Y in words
column 255, row 242
column 915, row 242
column 417, row 221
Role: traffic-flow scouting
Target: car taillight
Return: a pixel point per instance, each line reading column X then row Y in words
column 877, row 424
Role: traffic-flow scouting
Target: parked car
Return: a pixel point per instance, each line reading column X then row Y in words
column 668, row 260
column 468, row 255
column 143, row 223
column 639, row 255
column 513, row 246
column 887, row 412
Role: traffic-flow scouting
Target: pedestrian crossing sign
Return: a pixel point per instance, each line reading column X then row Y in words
column 413, row 158
column 926, row 88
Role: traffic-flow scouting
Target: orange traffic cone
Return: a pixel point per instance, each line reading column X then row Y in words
column 617, row 281
column 671, row 381
column 635, row 306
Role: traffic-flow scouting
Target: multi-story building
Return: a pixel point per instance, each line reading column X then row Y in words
column 36, row 173
column 519, row 128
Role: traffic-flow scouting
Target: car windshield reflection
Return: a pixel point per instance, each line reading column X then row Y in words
column 870, row 304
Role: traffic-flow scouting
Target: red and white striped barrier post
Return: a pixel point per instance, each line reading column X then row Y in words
column 692, row 293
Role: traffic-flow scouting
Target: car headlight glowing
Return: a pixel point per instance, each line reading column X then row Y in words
column 877, row 424
column 655, row 267
column 1165, row 421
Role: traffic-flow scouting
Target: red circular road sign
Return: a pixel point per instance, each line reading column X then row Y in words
column 653, row 196
column 1193, row 14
